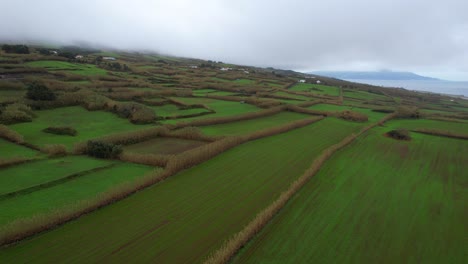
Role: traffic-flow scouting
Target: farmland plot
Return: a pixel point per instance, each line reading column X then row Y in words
column 200, row 206
column 378, row 200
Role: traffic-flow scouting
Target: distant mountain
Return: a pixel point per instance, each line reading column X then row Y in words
column 373, row 75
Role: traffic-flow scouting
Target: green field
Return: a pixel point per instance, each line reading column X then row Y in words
column 170, row 110
column 247, row 126
column 65, row 194
column 410, row 124
column 406, row 197
column 11, row 150
column 201, row 206
column 89, row 125
column 378, row 201
column 163, row 145
column 316, row 89
column 365, row 96
column 222, row 108
column 16, row 178
column 81, row 69
column 373, row 116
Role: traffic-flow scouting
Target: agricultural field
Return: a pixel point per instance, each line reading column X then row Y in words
column 248, row 126
column 181, row 161
column 58, row 184
column 81, row 69
column 457, row 127
column 12, row 150
column 222, row 193
column 372, row 115
column 88, row 124
column 316, row 89
column 402, row 202
column 163, row 145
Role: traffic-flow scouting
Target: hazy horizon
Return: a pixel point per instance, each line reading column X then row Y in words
column 425, row 37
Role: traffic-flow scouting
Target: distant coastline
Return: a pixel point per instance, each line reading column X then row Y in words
column 433, row 86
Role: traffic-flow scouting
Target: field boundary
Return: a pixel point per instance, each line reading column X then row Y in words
column 240, row 239
column 440, row 133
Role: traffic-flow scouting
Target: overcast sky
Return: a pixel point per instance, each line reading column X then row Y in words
column 424, row 36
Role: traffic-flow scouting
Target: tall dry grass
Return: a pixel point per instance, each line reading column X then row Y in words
column 238, row 240
column 54, row 150
column 441, row 133
column 10, row 135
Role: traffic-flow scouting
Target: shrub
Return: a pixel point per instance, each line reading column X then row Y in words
column 103, row 150
column 61, row 131
column 143, row 115
column 353, row 116
column 16, row 113
column 54, row 150
column 408, row 112
column 39, row 92
column 400, row 134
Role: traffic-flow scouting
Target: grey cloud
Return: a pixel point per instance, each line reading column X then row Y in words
column 421, row 36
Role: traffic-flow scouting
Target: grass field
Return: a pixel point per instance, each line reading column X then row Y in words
column 377, row 201
column 222, row 108
column 89, row 124
column 65, row 194
column 373, row 116
column 429, row 124
column 170, row 110
column 81, row 69
column 163, row 145
column 16, row 178
column 244, row 81
column 247, row 126
column 316, row 89
column 366, row 96
column 12, row 150
column 201, row 206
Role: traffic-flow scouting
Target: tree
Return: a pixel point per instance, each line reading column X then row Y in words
column 20, row 49
column 39, row 92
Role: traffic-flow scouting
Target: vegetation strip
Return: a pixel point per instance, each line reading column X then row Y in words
column 22, row 230
column 53, row 183
column 441, row 133
column 232, row 246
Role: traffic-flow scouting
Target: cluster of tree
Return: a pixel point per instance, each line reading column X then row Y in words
column 39, row 92
column 103, row 150
column 20, row 49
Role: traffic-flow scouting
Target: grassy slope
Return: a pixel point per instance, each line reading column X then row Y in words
column 70, row 192
column 12, row 150
column 28, row 175
column 88, row 124
column 243, row 127
column 201, row 206
column 379, row 200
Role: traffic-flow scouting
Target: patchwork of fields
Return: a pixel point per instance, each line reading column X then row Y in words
column 179, row 156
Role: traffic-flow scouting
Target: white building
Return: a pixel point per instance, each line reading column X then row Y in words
column 302, row 81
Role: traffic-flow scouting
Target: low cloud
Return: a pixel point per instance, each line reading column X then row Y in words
column 421, row 36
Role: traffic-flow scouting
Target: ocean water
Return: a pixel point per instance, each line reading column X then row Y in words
column 442, row 87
